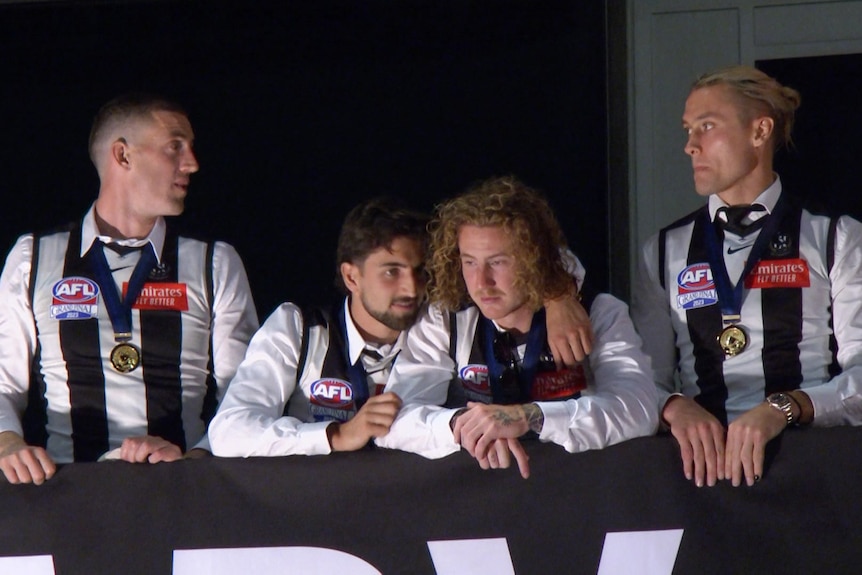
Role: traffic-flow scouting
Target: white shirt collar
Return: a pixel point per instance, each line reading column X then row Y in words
column 768, row 198
column 90, row 233
column 356, row 343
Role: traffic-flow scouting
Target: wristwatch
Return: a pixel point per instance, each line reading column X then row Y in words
column 783, row 403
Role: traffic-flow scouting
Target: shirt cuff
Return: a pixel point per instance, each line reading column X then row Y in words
column 313, row 438
column 553, row 412
column 828, row 406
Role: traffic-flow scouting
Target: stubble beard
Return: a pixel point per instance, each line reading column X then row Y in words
column 393, row 320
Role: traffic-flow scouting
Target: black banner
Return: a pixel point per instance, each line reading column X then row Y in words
column 385, row 506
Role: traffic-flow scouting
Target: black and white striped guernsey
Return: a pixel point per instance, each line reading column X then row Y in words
column 808, row 279
column 79, row 406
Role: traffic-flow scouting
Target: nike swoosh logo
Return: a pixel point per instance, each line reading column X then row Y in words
column 120, row 268
column 731, row 251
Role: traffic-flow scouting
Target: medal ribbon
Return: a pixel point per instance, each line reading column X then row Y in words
column 535, row 345
column 730, row 298
column 119, row 311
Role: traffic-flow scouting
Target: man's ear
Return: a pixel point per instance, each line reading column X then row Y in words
column 763, row 128
column 120, row 153
column 350, row 274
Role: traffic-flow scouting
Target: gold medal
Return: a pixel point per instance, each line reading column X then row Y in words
column 733, row 340
column 125, row 357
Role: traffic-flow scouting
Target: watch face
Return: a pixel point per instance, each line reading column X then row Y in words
column 778, row 398
column 781, row 402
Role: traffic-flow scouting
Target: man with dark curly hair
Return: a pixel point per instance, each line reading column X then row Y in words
column 497, row 252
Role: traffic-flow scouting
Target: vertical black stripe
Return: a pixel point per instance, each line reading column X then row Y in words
column 453, row 337
column 662, row 257
column 834, row 366
column 79, row 340
column 161, row 344
column 477, row 351
column 704, row 326
column 335, row 361
column 307, row 321
column 782, row 313
column 311, row 317
column 34, row 420
column 210, row 404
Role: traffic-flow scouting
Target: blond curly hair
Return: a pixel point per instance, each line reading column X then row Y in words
column 524, row 214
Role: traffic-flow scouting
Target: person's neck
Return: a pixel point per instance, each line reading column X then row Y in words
column 371, row 330
column 748, row 189
column 119, row 225
column 518, row 322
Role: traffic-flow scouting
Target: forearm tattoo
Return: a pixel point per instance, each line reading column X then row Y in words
column 532, row 414
column 505, row 418
column 535, row 417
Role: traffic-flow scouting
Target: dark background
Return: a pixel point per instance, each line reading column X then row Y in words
column 823, row 165
column 303, row 109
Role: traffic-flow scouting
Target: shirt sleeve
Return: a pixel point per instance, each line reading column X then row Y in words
column 839, row 400
column 17, row 334
column 234, row 318
column 621, row 401
column 249, row 421
column 421, row 377
column 652, row 319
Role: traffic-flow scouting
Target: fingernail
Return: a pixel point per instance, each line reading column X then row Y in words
column 756, row 478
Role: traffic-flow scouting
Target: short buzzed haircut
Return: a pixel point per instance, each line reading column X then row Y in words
column 124, row 108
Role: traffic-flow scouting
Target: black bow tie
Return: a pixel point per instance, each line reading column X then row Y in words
column 735, row 215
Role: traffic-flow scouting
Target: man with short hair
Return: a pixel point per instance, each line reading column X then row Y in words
column 313, row 380
column 118, row 334
column 753, row 300
column 498, row 250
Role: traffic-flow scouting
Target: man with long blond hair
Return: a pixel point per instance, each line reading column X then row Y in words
column 497, row 252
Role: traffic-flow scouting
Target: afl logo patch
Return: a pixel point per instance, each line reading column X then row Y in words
column 74, row 298
column 332, row 392
column 696, row 287
column 75, row 290
column 475, row 378
column 695, row 277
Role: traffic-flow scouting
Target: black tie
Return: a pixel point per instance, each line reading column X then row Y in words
column 122, row 250
column 735, row 215
column 372, row 353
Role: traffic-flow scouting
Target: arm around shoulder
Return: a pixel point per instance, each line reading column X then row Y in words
column 621, row 402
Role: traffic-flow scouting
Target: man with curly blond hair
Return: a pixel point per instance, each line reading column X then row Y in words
column 497, row 252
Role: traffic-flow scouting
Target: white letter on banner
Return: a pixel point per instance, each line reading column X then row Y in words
column 471, row 557
column 32, row 565
column 642, row 552
column 268, row 561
